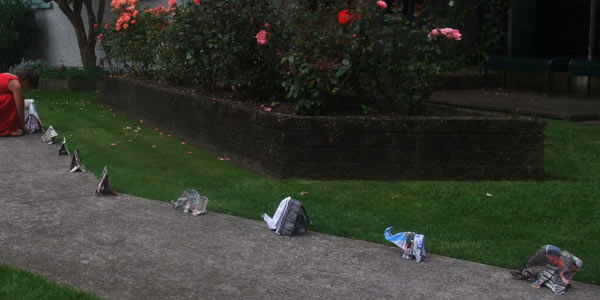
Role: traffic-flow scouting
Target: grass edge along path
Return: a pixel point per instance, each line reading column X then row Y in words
column 459, row 219
column 22, row 285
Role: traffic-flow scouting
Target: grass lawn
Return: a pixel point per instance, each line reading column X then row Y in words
column 20, row 285
column 457, row 218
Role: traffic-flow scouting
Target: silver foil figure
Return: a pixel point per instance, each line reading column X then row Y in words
column 192, row 202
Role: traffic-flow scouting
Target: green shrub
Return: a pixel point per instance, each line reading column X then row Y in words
column 17, row 31
column 322, row 58
column 359, row 57
column 211, row 45
column 48, row 71
column 38, row 64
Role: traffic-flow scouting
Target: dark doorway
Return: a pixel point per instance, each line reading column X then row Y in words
column 562, row 28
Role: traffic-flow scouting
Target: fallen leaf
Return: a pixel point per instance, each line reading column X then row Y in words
column 304, row 193
column 153, row 146
column 113, row 144
column 489, row 195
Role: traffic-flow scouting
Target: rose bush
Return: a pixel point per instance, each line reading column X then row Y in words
column 484, row 23
column 323, row 58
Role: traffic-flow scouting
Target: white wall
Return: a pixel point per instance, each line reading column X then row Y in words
column 56, row 39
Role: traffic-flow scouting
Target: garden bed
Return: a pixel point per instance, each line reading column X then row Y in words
column 353, row 147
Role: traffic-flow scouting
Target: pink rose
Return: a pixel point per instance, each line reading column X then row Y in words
column 382, row 4
column 435, row 33
column 455, row 35
column 262, row 37
column 449, row 33
column 446, row 31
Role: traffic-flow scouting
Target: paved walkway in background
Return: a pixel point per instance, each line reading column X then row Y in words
column 522, row 102
column 132, row 248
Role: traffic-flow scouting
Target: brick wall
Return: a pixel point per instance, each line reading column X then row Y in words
column 429, row 148
column 67, row 84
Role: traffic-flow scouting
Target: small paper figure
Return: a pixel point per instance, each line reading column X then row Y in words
column 76, row 165
column 63, row 150
column 192, row 202
column 412, row 244
column 551, row 267
column 289, row 218
column 104, row 187
column 50, row 135
column 33, row 122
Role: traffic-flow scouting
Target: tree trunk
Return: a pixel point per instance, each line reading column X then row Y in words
column 88, row 56
column 86, row 40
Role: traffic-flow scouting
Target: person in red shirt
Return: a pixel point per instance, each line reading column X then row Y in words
column 12, row 102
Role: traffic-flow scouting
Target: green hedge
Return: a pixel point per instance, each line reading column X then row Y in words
column 17, row 31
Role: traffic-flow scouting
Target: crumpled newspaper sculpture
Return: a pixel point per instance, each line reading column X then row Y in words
column 63, row 149
column 192, row 202
column 104, row 187
column 550, row 266
column 76, row 165
column 412, row 244
column 50, row 135
column 33, row 122
column 289, row 218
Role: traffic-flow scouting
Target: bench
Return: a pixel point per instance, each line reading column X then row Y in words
column 523, row 64
column 583, row 67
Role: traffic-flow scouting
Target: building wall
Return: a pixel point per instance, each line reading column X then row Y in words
column 56, row 40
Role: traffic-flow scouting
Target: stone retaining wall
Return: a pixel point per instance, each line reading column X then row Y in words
column 78, row 85
column 429, row 148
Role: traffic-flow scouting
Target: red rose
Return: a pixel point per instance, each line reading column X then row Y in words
column 345, row 16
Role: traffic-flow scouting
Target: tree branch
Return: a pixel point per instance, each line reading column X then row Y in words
column 66, row 9
column 91, row 39
column 74, row 16
column 100, row 12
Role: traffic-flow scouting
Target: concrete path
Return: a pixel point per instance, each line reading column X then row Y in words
column 521, row 102
column 132, row 248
